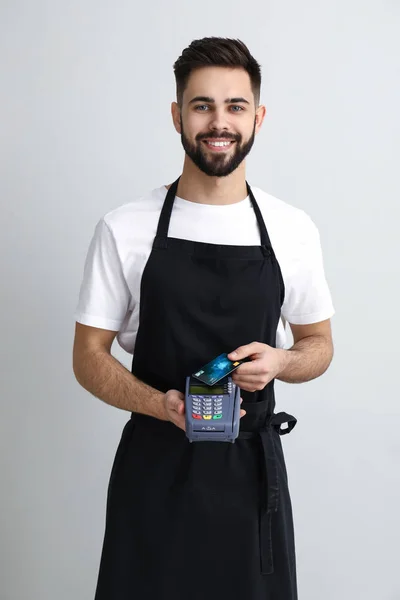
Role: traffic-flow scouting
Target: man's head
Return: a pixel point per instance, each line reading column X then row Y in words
column 218, row 91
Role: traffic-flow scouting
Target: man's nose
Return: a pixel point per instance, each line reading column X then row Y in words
column 219, row 121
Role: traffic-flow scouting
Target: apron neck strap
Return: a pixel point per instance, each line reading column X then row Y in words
column 166, row 211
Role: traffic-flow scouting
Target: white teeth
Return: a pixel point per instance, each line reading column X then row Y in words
column 219, row 143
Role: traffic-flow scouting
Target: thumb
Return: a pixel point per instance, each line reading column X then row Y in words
column 240, row 352
column 245, row 351
column 179, row 404
column 176, row 402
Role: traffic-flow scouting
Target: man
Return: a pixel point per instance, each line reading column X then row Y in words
column 202, row 266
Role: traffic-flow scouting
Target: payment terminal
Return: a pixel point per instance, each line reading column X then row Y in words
column 212, row 412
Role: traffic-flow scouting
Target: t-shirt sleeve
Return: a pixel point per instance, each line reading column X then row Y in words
column 307, row 295
column 104, row 294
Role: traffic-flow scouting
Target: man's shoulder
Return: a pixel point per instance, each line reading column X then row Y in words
column 281, row 214
column 270, row 203
column 139, row 212
column 139, row 217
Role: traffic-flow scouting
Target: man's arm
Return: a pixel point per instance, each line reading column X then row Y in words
column 310, row 355
column 307, row 359
column 106, row 378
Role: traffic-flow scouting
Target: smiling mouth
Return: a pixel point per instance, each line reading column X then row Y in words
column 219, row 146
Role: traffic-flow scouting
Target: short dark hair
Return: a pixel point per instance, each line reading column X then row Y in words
column 217, row 52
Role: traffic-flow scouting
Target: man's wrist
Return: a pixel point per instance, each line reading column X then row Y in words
column 163, row 413
column 286, row 357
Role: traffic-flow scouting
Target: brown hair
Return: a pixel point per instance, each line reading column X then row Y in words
column 217, row 52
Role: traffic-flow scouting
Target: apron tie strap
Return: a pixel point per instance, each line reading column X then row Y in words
column 270, row 499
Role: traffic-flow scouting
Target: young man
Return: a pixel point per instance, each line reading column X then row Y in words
column 193, row 269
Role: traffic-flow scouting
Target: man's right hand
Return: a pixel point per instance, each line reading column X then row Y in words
column 174, row 404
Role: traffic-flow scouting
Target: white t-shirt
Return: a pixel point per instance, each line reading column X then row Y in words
column 110, row 292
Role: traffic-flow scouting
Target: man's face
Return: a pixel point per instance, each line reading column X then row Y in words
column 218, row 108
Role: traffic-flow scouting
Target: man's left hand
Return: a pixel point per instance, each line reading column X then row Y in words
column 266, row 363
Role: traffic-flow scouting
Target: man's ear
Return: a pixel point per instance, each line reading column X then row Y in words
column 260, row 115
column 176, row 116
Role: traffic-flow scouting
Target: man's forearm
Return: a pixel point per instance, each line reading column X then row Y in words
column 307, row 359
column 106, row 378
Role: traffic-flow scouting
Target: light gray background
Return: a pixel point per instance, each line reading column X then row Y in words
column 86, row 126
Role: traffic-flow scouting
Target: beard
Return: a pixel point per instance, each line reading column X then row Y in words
column 217, row 164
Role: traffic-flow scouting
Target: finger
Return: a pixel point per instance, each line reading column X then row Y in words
column 246, row 350
column 250, row 379
column 250, row 389
column 256, row 379
column 253, row 387
column 242, row 411
column 251, row 384
column 178, row 420
column 255, row 367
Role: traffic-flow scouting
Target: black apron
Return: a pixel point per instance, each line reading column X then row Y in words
column 207, row 520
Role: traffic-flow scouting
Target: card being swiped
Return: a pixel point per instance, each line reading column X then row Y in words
column 218, row 368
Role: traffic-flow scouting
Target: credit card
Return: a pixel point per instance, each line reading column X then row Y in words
column 217, row 369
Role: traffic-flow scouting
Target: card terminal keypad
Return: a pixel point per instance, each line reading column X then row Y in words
column 207, row 407
column 212, row 412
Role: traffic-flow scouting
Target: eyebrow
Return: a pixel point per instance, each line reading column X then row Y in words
column 212, row 101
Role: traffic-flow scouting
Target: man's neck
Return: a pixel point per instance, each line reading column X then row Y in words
column 196, row 186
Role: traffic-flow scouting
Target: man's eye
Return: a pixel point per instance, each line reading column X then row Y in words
column 199, row 106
